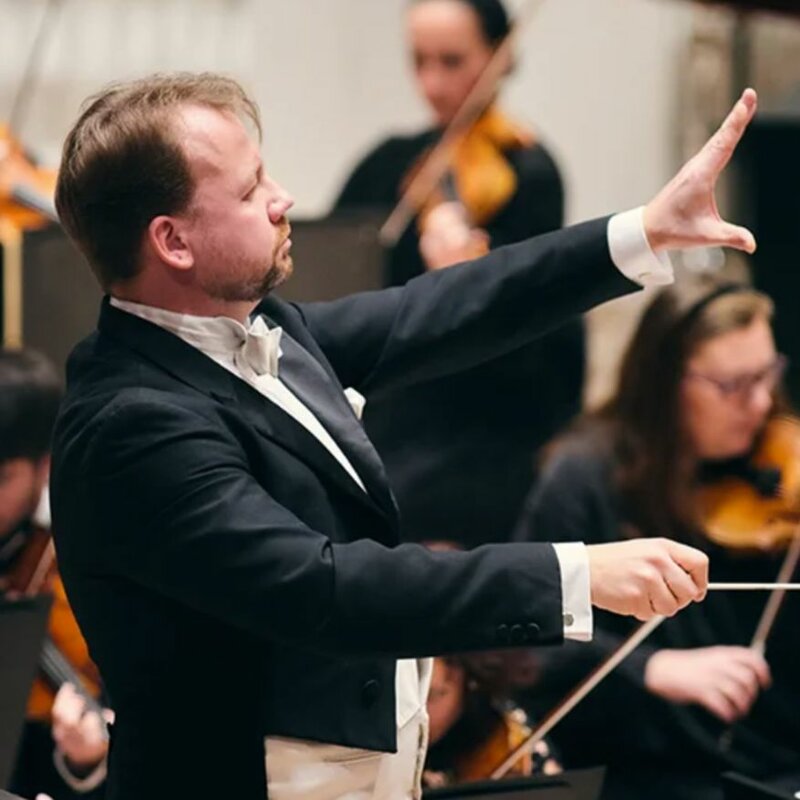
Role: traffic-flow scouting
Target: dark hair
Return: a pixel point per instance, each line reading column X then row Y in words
column 123, row 164
column 643, row 418
column 30, row 393
column 492, row 17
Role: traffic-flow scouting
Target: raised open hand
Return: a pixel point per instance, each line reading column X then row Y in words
column 684, row 213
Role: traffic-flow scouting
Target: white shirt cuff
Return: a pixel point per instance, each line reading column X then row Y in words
column 632, row 254
column 79, row 785
column 576, row 597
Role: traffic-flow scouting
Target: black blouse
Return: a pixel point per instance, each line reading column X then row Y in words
column 621, row 723
column 460, row 451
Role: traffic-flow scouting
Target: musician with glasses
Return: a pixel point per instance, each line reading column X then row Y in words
column 699, row 382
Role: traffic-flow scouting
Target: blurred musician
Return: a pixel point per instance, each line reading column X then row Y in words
column 696, row 391
column 30, row 392
column 459, row 450
column 473, row 727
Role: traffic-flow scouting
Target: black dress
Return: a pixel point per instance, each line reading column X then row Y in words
column 655, row 749
column 460, row 451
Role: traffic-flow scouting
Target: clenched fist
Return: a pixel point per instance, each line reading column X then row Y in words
column 644, row 578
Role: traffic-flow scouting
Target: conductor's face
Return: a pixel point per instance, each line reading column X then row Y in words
column 237, row 219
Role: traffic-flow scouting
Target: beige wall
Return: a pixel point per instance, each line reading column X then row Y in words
column 597, row 77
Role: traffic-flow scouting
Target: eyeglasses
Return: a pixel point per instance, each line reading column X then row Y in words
column 741, row 387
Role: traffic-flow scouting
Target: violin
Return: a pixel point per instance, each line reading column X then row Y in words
column 26, row 190
column 758, row 509
column 472, row 730
column 510, row 730
column 477, row 185
column 65, row 656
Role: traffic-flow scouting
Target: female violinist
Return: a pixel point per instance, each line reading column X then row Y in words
column 73, row 766
column 459, row 450
column 698, row 393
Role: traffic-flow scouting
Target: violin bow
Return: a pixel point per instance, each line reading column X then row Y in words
column 603, row 670
column 19, row 104
column 438, row 160
column 768, row 616
column 576, row 695
column 777, row 595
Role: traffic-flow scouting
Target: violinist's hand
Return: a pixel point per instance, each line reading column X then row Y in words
column 79, row 734
column 723, row 680
column 448, row 239
column 684, row 213
column 646, row 577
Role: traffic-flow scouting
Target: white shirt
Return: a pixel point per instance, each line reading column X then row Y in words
column 304, row 767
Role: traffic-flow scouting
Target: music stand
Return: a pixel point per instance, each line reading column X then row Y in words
column 579, row 784
column 22, row 629
column 737, row 787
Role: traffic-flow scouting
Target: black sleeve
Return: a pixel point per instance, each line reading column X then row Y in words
column 572, row 502
column 199, row 529
column 447, row 321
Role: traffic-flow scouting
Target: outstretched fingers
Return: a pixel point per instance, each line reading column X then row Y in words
column 718, row 150
column 719, row 233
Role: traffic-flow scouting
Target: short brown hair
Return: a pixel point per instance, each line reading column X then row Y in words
column 123, row 164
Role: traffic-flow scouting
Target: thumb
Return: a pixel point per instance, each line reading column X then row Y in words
column 692, row 561
column 737, row 237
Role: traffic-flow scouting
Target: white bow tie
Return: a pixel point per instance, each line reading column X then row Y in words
column 261, row 349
